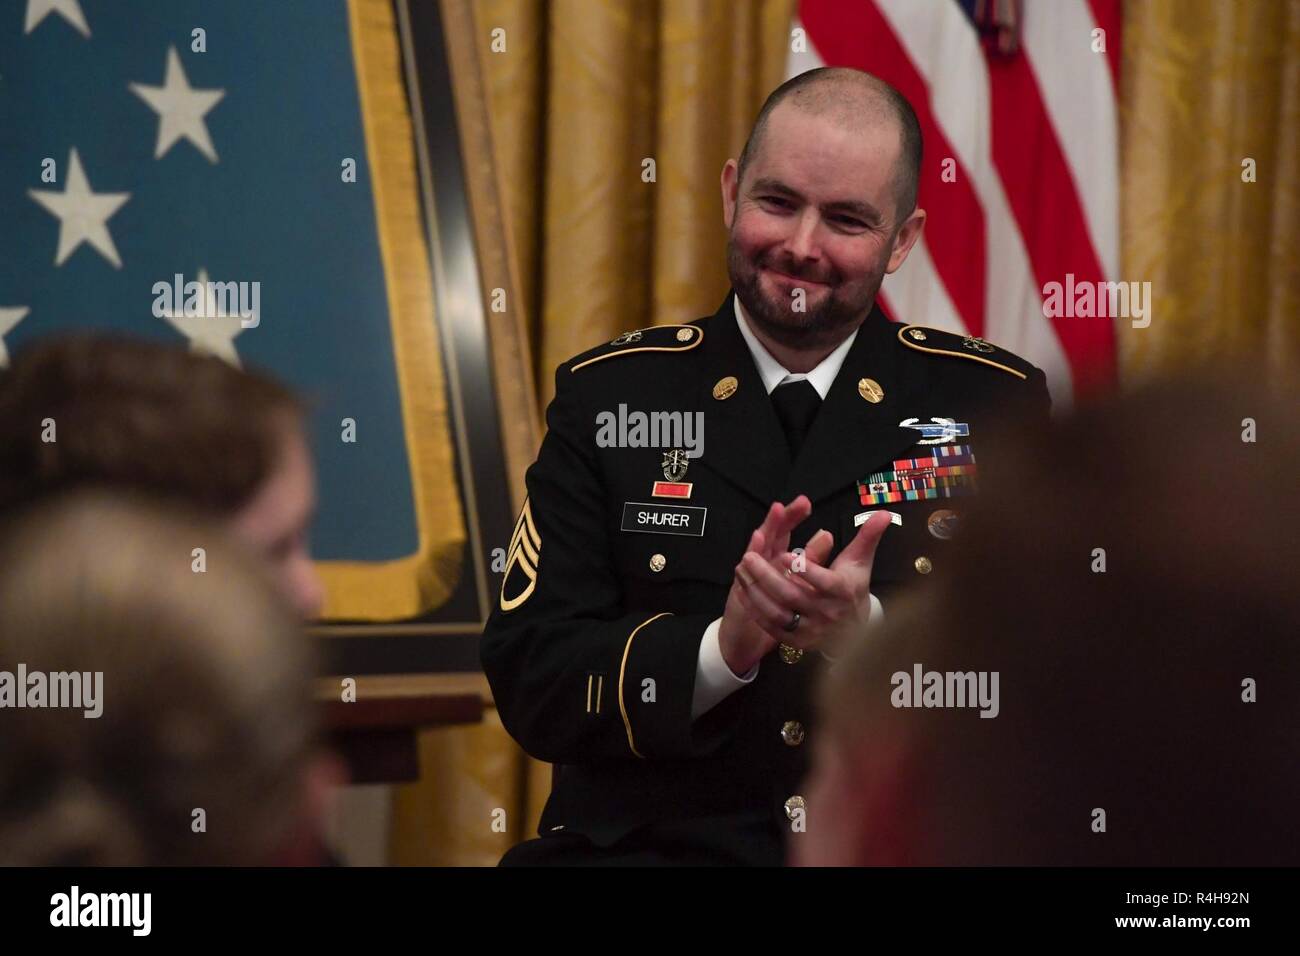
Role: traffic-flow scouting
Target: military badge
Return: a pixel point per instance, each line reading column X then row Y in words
column 939, row 431
column 870, row 389
column 948, row 471
column 860, row 519
column 943, row 524
column 675, row 464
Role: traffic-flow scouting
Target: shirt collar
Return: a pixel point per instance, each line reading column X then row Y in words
column 773, row 373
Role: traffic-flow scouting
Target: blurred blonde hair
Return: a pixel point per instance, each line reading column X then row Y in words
column 206, row 694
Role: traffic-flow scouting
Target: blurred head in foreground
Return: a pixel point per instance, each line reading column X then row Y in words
column 1146, row 714
column 203, row 717
column 101, row 411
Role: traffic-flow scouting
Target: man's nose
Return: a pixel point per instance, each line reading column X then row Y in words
column 802, row 243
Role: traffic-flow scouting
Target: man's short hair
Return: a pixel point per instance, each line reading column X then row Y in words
column 140, row 416
column 847, row 92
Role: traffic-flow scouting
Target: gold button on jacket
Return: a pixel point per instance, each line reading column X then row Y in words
column 794, row 803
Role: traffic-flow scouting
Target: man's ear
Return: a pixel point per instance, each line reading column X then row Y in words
column 908, row 233
column 730, row 191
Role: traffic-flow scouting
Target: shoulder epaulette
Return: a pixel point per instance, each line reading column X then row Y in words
column 657, row 338
column 939, row 342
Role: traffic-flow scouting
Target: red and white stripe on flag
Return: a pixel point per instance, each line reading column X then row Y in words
column 1032, row 135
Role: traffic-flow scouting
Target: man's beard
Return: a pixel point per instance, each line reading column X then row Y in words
column 828, row 323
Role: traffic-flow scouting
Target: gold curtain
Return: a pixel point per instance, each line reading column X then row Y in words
column 582, row 93
column 1207, row 85
column 586, row 90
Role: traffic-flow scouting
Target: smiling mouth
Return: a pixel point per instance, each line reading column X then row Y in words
column 796, row 280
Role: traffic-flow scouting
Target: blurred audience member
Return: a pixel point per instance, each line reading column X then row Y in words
column 97, row 410
column 186, row 730
column 1138, row 603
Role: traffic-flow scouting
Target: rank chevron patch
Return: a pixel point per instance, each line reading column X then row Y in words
column 525, row 553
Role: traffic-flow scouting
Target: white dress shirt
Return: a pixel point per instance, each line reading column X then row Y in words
column 714, row 679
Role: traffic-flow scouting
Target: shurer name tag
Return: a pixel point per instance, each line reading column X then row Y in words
column 663, row 519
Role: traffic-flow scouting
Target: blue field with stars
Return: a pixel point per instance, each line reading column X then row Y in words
column 128, row 157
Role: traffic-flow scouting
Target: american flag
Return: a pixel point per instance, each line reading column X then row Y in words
column 1018, row 104
column 145, row 146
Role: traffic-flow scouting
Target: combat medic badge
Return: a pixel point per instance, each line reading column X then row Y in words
column 521, row 565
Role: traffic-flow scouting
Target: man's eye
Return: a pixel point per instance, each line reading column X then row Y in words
column 775, row 201
column 849, row 223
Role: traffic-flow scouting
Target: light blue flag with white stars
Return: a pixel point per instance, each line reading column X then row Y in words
column 145, row 146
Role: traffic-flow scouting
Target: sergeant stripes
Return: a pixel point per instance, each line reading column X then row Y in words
column 525, row 554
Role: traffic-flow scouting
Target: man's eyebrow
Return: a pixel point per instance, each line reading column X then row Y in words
column 767, row 184
column 856, row 207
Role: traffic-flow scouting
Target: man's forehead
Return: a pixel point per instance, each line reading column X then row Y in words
column 812, row 153
column 834, row 132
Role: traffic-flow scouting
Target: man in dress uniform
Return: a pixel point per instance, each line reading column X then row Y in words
column 667, row 605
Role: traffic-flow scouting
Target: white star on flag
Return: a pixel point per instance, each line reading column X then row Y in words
column 209, row 332
column 70, row 10
column 83, row 214
column 8, row 319
column 180, row 108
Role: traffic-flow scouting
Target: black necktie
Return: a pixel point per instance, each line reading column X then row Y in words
column 796, row 405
